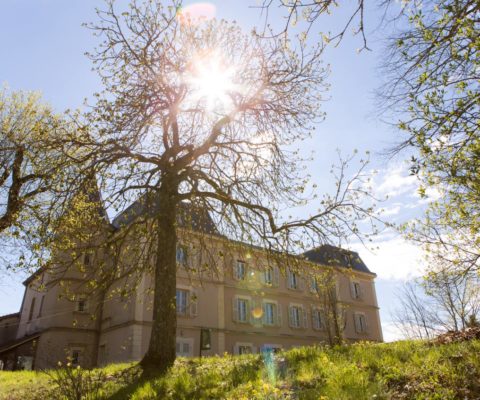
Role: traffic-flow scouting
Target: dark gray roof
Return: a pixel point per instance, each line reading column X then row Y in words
column 336, row 256
column 13, row 315
column 189, row 215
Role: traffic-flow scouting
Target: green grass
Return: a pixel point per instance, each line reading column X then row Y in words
column 402, row 370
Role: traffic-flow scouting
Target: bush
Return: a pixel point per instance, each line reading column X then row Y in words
column 76, row 383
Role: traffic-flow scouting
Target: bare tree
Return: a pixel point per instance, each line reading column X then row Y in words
column 415, row 316
column 456, row 296
column 311, row 11
column 443, row 301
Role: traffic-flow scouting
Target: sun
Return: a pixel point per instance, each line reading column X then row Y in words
column 211, row 81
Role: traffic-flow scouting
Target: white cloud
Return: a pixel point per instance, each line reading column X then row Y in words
column 432, row 194
column 391, row 332
column 396, row 180
column 395, row 258
column 386, row 211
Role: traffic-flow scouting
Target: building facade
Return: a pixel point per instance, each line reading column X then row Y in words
column 246, row 304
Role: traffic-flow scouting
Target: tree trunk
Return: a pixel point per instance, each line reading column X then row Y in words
column 161, row 350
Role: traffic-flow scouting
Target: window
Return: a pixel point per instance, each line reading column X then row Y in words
column 24, row 363
column 241, row 309
column 186, row 302
column 356, row 290
column 32, row 308
column 41, row 306
column 243, row 348
column 318, row 319
column 293, row 281
column 296, row 316
column 182, row 301
column 240, row 270
column 360, row 323
column 76, row 355
column 181, row 255
column 313, row 284
column 87, row 260
column 184, row 347
column 270, row 348
column 102, row 354
column 269, row 313
column 81, row 305
column 268, row 276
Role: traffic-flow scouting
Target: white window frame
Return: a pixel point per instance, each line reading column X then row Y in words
column 268, row 276
column 180, row 341
column 236, row 311
column 270, row 347
column 292, row 279
column 299, row 315
column 318, row 319
column 275, row 312
column 182, row 294
column 183, row 259
column 240, row 274
column 239, row 345
column 191, row 308
column 243, row 306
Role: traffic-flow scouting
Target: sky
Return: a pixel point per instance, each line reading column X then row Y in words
column 42, row 48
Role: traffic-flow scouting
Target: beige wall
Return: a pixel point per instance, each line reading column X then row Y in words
column 121, row 331
column 57, row 344
column 216, row 293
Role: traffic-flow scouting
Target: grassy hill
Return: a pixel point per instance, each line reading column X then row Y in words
column 401, row 370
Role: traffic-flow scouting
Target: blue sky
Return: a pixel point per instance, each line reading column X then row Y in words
column 43, row 46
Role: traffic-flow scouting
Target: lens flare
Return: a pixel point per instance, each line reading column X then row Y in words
column 212, row 80
column 193, row 14
column 257, row 312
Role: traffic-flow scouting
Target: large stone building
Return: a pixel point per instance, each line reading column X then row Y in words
column 246, row 304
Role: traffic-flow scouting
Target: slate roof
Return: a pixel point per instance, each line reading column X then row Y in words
column 189, row 216
column 18, row 342
column 17, row 315
column 336, row 256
